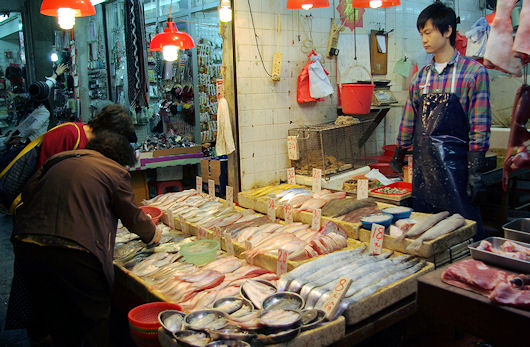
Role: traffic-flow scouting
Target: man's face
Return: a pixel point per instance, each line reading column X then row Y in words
column 432, row 39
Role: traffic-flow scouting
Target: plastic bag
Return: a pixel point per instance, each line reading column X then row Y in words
column 319, row 85
column 303, row 93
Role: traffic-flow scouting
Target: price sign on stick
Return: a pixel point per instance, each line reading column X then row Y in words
column 409, row 171
column 170, row 219
column 315, row 223
column 202, row 234
column 292, row 148
column 376, row 238
column 291, row 178
column 288, row 213
column 229, row 245
column 229, row 196
column 211, row 188
column 217, row 235
column 198, row 184
column 362, row 189
column 338, row 292
column 248, row 246
column 281, row 264
column 183, row 225
column 271, row 209
column 317, row 180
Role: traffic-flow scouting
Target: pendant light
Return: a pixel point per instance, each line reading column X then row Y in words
column 374, row 3
column 171, row 40
column 225, row 12
column 306, row 4
column 67, row 10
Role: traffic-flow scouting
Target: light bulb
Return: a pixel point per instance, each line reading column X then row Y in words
column 66, row 17
column 170, row 52
column 54, row 57
column 376, row 3
column 225, row 14
column 307, row 6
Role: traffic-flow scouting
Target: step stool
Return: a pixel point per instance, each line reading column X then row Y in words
column 161, row 186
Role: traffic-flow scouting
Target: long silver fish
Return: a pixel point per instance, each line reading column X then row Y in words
column 424, row 224
column 445, row 226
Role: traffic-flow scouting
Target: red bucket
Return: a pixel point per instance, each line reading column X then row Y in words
column 356, row 98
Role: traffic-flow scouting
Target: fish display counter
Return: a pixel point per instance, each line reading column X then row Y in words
column 348, row 212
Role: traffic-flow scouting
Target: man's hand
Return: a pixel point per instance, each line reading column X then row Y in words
column 156, row 237
column 60, row 69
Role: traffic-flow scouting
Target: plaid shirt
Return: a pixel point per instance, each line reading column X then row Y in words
column 471, row 85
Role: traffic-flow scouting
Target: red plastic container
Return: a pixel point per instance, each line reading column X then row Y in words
column 356, row 98
column 154, row 212
column 400, row 185
column 146, row 316
column 389, row 150
column 384, row 168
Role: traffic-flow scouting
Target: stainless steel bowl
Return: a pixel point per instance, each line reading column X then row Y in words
column 283, row 300
column 192, row 320
column 165, row 315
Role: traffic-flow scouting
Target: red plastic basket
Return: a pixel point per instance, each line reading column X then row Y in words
column 146, row 316
column 154, row 212
column 384, row 168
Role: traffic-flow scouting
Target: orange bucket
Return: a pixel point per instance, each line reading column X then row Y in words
column 356, row 98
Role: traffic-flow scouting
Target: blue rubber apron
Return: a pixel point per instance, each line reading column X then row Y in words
column 440, row 147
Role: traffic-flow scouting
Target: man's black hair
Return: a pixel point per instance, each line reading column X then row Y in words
column 442, row 17
column 116, row 119
column 113, row 146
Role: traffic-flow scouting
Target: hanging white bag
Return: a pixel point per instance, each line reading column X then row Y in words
column 319, row 85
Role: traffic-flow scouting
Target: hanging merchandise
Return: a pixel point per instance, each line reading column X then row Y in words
column 303, row 93
column 477, row 37
column 225, row 139
column 67, row 10
column 319, row 85
column 350, row 17
column 136, row 55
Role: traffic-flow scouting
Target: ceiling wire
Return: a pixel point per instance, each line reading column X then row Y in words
column 256, row 37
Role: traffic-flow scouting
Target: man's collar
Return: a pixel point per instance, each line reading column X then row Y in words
column 450, row 62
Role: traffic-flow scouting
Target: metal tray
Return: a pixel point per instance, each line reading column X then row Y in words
column 518, row 230
column 499, row 260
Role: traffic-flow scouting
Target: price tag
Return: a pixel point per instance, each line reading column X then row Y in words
column 229, row 196
column 220, row 89
column 409, row 164
column 362, row 189
column 198, row 184
column 281, row 264
column 292, row 148
column 288, row 214
column 338, row 292
column 248, row 246
column 202, row 234
column 184, row 226
column 291, row 178
column 170, row 219
column 317, row 180
column 211, row 188
column 271, row 209
column 315, row 223
column 229, row 245
column 376, row 238
column 217, row 235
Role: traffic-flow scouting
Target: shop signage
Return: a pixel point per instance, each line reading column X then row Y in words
column 281, row 264
column 338, row 292
column 315, row 223
column 291, row 178
column 317, row 180
column 362, row 189
column 376, row 238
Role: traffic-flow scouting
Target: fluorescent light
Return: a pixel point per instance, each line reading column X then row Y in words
column 3, row 17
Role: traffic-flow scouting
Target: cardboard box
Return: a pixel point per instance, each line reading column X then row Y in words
column 215, row 169
column 176, row 151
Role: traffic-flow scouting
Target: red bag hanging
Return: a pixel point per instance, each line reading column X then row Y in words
column 302, row 90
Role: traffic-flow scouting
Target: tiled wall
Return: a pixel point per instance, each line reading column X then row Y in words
column 268, row 109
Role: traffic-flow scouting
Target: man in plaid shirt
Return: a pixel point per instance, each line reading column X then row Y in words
column 425, row 125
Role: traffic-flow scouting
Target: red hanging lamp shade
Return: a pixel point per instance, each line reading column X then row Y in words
column 81, row 8
column 306, row 4
column 171, row 37
column 490, row 17
column 374, row 3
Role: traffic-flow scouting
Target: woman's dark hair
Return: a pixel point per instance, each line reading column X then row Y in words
column 113, row 146
column 442, row 17
column 113, row 118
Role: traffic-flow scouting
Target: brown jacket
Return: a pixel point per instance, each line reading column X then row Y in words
column 80, row 198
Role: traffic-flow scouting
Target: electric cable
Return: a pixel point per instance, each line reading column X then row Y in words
column 256, row 37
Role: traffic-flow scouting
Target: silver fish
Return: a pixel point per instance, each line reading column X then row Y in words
column 445, row 226
column 424, row 224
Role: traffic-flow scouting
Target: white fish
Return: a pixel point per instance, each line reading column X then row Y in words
column 445, row 226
